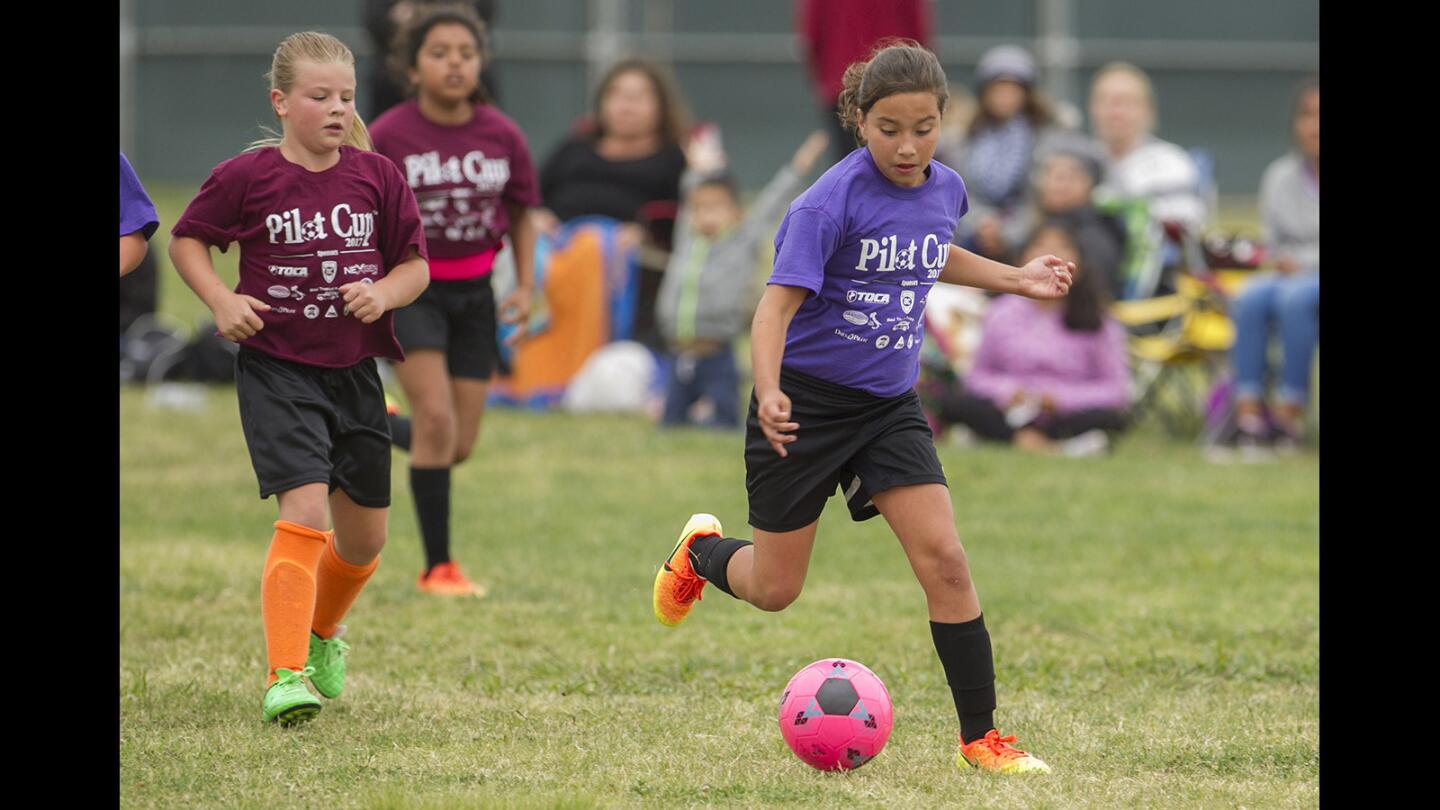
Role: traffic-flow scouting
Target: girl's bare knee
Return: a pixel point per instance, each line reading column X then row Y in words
column 359, row 550
column 463, row 452
column 775, row 599
column 948, row 568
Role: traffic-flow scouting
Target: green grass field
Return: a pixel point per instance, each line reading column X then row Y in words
column 1155, row 623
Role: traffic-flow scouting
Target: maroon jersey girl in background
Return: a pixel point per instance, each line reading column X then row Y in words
column 330, row 243
column 471, row 172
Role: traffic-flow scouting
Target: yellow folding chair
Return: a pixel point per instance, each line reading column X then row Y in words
column 1174, row 366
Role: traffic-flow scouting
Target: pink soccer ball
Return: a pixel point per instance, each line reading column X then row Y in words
column 835, row 714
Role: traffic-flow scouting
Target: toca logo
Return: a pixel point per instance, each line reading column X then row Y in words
column 285, row 271
column 867, row 297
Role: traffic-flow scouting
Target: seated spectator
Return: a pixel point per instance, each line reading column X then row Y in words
column 708, row 295
column 1287, row 299
column 1067, row 169
column 1141, row 166
column 1049, row 376
column 628, row 157
column 995, row 156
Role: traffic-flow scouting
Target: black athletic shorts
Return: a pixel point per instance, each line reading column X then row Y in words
column 306, row 424
column 847, row 438
column 458, row 318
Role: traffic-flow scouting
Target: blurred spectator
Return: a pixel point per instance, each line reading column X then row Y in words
column 1068, row 167
column 834, row 33
column 1050, row 376
column 625, row 164
column 383, row 18
column 708, row 295
column 1122, row 113
column 1288, row 298
column 995, row 156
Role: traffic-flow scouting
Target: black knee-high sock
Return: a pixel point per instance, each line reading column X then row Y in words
column 431, row 489
column 399, row 430
column 969, row 664
column 710, row 555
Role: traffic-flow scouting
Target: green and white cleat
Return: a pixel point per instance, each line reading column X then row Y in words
column 327, row 662
column 287, row 701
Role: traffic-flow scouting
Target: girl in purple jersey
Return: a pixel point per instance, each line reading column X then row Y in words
column 835, row 346
column 330, row 243
column 471, row 172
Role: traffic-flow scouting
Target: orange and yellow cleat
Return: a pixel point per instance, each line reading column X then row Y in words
column 446, row 579
column 995, row 753
column 677, row 586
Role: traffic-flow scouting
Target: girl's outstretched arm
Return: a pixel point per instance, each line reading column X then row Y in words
column 1044, row 277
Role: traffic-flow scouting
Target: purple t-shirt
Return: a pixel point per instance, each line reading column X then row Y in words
column 137, row 213
column 869, row 251
column 302, row 236
column 463, row 176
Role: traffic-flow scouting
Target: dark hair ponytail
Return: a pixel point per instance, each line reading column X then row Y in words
column 895, row 66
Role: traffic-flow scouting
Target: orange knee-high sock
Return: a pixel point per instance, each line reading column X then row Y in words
column 337, row 584
column 287, row 593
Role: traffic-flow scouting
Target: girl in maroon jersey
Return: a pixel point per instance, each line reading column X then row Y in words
column 471, row 172
column 330, row 243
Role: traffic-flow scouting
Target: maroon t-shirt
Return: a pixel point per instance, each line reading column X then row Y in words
column 463, row 176
column 302, row 235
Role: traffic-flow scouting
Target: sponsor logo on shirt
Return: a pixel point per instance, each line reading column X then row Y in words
column 331, row 313
column 902, row 325
column 361, row 270
column 882, row 341
column 312, row 312
column 853, row 316
column 856, row 338
column 291, row 228
column 281, row 291
column 286, row 271
column 327, row 295
column 282, row 310
column 907, row 300
column 867, row 297
column 328, row 270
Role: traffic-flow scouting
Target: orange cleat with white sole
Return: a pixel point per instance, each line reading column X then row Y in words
column 677, row 586
column 995, row 753
column 446, row 579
